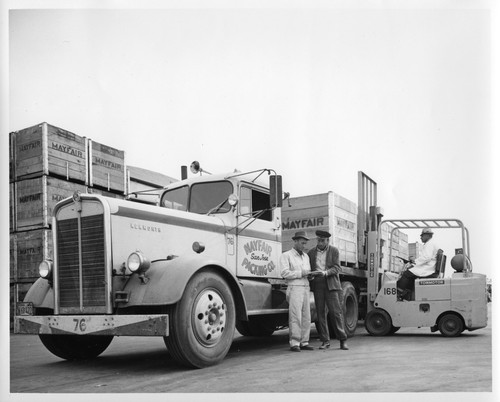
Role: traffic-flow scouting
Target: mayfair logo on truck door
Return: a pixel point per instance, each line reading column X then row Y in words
column 258, row 257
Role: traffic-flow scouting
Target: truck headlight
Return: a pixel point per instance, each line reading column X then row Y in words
column 45, row 269
column 137, row 262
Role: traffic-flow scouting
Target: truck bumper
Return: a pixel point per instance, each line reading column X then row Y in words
column 118, row 325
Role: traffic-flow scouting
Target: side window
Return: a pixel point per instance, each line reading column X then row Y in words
column 210, row 197
column 256, row 203
column 175, row 199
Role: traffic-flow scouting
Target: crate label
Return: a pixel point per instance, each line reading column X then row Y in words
column 304, row 223
column 30, row 197
column 30, row 146
column 108, row 164
column 67, row 149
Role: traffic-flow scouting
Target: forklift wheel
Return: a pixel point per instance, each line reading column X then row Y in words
column 378, row 322
column 450, row 325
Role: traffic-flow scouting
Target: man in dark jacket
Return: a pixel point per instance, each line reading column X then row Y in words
column 327, row 289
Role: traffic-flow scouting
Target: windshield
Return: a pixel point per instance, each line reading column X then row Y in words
column 210, row 197
column 175, row 199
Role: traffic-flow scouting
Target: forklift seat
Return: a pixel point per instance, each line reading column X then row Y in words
column 440, row 265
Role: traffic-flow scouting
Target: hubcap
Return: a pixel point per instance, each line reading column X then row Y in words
column 209, row 317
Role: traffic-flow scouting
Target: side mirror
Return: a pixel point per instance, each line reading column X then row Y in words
column 275, row 191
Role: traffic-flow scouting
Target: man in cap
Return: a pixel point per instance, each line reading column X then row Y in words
column 327, row 289
column 422, row 267
column 295, row 267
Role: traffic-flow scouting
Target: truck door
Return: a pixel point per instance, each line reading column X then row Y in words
column 259, row 238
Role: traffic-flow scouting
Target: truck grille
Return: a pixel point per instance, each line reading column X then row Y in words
column 81, row 265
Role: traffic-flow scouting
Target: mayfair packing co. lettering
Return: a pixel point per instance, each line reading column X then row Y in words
column 257, row 261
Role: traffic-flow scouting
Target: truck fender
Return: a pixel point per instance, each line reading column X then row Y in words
column 167, row 279
column 41, row 294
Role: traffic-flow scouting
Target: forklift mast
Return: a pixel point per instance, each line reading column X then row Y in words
column 369, row 217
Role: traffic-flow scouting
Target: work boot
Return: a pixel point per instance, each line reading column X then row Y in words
column 295, row 349
column 343, row 345
column 325, row 345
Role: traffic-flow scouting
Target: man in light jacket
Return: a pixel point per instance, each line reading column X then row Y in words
column 423, row 266
column 327, row 289
column 295, row 267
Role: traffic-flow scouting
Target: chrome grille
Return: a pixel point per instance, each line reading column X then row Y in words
column 81, row 267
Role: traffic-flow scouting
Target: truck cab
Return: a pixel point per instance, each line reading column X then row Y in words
column 192, row 269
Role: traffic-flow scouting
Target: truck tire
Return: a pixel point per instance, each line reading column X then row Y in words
column 350, row 308
column 76, row 347
column 202, row 323
column 450, row 325
column 378, row 322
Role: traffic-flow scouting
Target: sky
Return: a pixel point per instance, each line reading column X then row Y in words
column 315, row 90
column 316, row 93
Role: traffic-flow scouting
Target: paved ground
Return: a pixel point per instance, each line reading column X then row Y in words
column 413, row 360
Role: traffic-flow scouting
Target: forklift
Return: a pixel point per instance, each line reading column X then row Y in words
column 448, row 304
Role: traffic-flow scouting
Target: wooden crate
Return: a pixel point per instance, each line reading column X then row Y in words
column 48, row 150
column 107, row 167
column 32, row 247
column 327, row 211
column 36, row 199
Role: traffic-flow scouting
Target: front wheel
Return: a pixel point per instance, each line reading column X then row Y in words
column 378, row 322
column 450, row 325
column 202, row 323
column 76, row 347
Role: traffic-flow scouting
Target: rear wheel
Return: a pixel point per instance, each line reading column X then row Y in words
column 350, row 308
column 378, row 322
column 76, row 347
column 450, row 325
column 202, row 323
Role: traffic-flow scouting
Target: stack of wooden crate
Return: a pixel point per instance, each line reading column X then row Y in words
column 326, row 211
column 393, row 247
column 48, row 164
column 338, row 215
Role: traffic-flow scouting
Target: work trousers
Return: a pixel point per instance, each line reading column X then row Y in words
column 332, row 299
column 299, row 314
column 407, row 280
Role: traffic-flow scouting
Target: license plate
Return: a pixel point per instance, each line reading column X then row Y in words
column 24, row 308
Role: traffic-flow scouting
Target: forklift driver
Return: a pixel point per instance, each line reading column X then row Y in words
column 422, row 267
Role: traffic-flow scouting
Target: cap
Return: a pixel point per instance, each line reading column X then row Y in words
column 323, row 234
column 300, row 235
column 427, row 231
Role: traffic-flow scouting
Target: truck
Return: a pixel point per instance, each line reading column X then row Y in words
column 201, row 264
